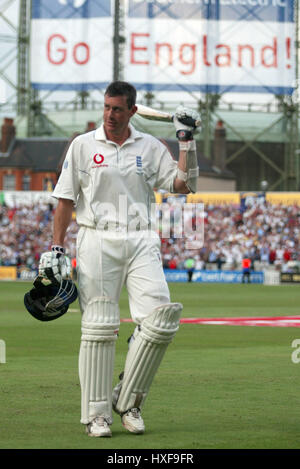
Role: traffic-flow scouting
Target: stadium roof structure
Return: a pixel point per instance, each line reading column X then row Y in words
column 240, row 125
column 37, row 153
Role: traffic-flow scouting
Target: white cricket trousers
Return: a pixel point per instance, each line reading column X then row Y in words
column 108, row 260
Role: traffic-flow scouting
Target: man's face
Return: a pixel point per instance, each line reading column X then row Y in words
column 116, row 114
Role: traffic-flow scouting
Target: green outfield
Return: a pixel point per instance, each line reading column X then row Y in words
column 219, row 386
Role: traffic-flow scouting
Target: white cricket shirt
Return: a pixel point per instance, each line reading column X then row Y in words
column 112, row 185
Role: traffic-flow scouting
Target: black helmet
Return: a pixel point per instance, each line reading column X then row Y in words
column 50, row 299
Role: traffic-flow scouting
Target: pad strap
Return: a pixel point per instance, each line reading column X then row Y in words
column 184, row 135
column 57, row 250
column 100, row 320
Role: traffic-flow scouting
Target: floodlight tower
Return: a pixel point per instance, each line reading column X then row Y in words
column 23, row 86
column 26, row 99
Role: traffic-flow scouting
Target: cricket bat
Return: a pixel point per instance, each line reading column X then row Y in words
column 156, row 115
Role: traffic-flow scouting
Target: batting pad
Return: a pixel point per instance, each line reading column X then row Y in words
column 100, row 326
column 144, row 356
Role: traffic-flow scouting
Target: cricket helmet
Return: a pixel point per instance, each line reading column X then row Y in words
column 50, row 299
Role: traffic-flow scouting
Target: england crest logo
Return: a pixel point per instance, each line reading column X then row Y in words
column 139, row 167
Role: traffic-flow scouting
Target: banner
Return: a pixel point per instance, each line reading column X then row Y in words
column 290, row 278
column 20, row 198
column 214, row 198
column 248, row 199
column 8, row 273
column 211, row 46
column 26, row 198
column 71, row 44
column 212, row 276
column 284, row 198
column 243, row 199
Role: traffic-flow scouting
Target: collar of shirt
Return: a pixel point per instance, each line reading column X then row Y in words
column 134, row 134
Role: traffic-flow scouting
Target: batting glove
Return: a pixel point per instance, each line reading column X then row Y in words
column 185, row 123
column 55, row 264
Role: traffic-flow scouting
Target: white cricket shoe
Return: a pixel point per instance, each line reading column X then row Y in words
column 132, row 421
column 98, row 427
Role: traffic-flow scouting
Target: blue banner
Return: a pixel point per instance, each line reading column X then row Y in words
column 212, row 276
column 70, row 8
column 248, row 199
column 239, row 10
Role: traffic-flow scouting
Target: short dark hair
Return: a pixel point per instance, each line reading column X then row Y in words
column 122, row 88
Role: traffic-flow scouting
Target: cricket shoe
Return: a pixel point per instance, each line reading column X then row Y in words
column 98, row 427
column 132, row 421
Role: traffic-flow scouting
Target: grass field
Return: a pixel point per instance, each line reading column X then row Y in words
column 218, row 386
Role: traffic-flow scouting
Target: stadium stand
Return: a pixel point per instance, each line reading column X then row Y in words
column 268, row 234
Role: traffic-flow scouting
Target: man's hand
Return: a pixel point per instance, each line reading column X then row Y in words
column 185, row 123
column 55, row 263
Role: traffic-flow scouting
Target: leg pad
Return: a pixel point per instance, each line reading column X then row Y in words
column 146, row 350
column 100, row 325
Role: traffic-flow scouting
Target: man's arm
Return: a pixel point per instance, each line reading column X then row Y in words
column 62, row 219
column 188, row 171
column 180, row 186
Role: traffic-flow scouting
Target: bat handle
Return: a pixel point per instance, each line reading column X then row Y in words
column 190, row 122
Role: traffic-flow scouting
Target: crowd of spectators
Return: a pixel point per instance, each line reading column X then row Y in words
column 267, row 234
column 25, row 233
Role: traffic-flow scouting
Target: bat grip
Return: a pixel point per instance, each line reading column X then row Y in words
column 190, row 122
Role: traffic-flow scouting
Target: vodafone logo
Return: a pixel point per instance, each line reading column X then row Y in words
column 98, row 160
